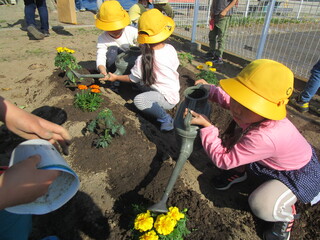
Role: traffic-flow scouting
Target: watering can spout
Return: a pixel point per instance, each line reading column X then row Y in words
column 195, row 99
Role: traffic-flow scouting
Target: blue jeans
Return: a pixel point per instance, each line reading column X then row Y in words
column 79, row 4
column 15, row 226
column 30, row 12
column 312, row 85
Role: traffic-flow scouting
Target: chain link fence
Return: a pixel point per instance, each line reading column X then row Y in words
column 292, row 35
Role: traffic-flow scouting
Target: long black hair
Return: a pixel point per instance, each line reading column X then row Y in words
column 147, row 64
column 234, row 133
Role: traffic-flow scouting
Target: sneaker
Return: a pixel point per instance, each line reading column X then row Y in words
column 46, row 33
column 299, row 105
column 166, row 123
column 228, row 178
column 217, row 60
column 279, row 231
column 209, row 55
column 35, row 32
column 82, row 9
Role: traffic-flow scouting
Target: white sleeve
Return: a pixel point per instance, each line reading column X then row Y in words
column 101, row 51
column 136, row 72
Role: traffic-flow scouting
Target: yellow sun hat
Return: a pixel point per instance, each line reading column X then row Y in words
column 111, row 16
column 154, row 27
column 264, row 86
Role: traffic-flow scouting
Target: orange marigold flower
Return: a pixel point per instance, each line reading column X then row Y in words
column 82, row 87
column 94, row 90
column 94, row 86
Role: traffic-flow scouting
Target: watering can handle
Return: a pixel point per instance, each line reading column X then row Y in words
column 187, row 120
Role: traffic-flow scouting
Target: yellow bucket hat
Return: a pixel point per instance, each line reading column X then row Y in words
column 263, row 86
column 154, row 27
column 111, row 16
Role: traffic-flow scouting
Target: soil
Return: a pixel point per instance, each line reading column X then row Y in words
column 136, row 167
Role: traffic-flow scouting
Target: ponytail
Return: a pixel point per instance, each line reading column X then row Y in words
column 147, row 64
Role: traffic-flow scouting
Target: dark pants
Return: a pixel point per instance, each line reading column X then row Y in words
column 30, row 12
column 112, row 54
column 15, row 226
column 218, row 36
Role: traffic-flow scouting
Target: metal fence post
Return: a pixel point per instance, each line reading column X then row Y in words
column 265, row 29
column 300, row 7
column 195, row 21
column 247, row 9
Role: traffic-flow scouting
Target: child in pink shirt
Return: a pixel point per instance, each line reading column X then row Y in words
column 267, row 143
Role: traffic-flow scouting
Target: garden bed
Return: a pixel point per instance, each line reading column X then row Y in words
column 136, row 167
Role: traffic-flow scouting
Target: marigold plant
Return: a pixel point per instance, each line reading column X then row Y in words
column 88, row 99
column 143, row 222
column 208, row 73
column 152, row 235
column 65, row 59
column 155, row 226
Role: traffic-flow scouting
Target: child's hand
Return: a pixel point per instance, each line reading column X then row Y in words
column 105, row 78
column 198, row 119
column 112, row 77
column 200, row 81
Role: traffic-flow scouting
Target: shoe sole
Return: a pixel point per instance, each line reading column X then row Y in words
column 35, row 33
column 238, row 180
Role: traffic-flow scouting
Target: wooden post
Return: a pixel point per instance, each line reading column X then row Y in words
column 67, row 11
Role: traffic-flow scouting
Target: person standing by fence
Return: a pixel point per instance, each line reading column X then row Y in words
column 220, row 13
column 163, row 6
column 302, row 101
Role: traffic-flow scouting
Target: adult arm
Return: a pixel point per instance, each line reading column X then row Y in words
column 227, row 9
column 30, row 126
column 23, row 182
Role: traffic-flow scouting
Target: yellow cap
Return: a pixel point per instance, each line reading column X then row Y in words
column 264, row 87
column 111, row 16
column 154, row 27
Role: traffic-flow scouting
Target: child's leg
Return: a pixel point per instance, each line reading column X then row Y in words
column 273, row 201
column 15, row 226
column 153, row 103
column 112, row 55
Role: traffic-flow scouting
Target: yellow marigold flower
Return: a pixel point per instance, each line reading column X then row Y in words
column 82, row 87
column 164, row 224
column 152, row 235
column 209, row 64
column 59, row 49
column 200, row 67
column 94, row 86
column 94, row 90
column 175, row 214
column 143, row 222
column 213, row 69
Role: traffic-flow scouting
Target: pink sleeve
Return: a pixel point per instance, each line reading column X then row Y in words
column 251, row 148
column 219, row 96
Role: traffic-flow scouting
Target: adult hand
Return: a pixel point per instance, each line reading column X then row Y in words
column 24, row 183
column 223, row 14
column 198, row 119
column 30, row 126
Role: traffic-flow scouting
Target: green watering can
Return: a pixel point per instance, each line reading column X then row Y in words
column 195, row 99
